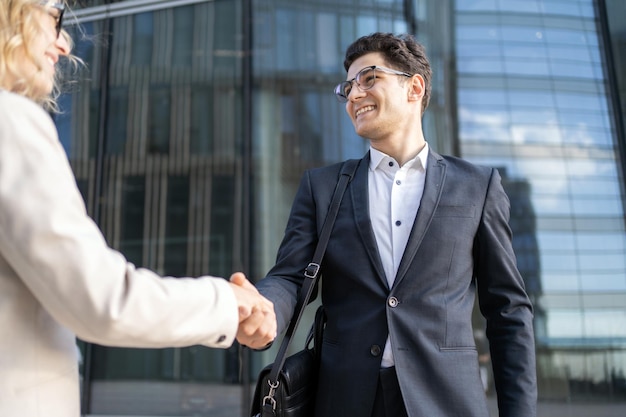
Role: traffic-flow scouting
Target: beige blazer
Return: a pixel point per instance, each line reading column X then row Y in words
column 59, row 279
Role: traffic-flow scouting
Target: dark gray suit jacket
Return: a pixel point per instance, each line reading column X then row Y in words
column 460, row 245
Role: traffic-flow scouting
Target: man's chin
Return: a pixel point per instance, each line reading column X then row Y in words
column 369, row 134
column 362, row 131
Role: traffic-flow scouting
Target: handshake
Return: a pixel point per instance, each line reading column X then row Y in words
column 257, row 320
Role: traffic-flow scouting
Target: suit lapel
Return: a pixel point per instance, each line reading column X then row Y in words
column 435, row 177
column 360, row 204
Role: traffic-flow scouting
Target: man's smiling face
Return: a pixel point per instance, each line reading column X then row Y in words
column 382, row 109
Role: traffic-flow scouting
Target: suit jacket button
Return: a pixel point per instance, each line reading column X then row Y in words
column 393, row 302
column 375, row 350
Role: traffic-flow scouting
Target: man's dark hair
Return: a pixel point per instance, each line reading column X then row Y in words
column 401, row 53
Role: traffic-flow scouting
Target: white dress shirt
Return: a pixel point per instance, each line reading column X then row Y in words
column 395, row 193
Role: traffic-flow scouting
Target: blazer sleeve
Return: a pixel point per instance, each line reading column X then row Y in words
column 283, row 282
column 61, row 256
column 308, row 212
column 508, row 311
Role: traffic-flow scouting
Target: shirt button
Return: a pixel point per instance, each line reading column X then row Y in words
column 398, row 182
column 221, row 339
column 398, row 223
column 393, row 302
column 375, row 350
column 390, row 163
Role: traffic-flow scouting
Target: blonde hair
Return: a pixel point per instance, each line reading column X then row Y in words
column 18, row 29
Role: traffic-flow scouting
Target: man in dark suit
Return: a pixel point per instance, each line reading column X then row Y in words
column 417, row 236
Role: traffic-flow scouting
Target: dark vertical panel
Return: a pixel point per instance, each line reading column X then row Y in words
column 201, row 119
column 247, row 194
column 224, row 216
column 143, row 27
column 222, row 221
column 159, row 114
column 116, row 120
column 183, row 43
column 132, row 218
column 176, row 226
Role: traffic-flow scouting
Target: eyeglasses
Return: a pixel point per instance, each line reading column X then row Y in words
column 365, row 79
column 56, row 10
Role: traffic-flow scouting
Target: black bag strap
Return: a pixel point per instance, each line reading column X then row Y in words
column 311, row 273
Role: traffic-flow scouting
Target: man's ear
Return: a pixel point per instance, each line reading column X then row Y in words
column 417, row 87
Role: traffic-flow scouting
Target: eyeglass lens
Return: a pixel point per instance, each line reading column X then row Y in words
column 365, row 80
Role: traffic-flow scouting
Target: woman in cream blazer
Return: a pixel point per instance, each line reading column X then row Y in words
column 58, row 277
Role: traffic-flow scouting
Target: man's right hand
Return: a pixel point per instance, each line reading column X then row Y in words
column 257, row 320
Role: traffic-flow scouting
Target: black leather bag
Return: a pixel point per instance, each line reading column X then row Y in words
column 293, row 394
column 287, row 387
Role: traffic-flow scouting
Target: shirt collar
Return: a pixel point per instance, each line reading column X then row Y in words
column 376, row 157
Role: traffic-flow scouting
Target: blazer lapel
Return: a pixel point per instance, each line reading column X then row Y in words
column 435, row 176
column 360, row 204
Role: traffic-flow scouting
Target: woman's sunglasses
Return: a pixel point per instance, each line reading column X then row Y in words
column 55, row 10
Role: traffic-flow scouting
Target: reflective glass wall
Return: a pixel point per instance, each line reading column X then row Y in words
column 154, row 132
column 193, row 120
column 535, row 100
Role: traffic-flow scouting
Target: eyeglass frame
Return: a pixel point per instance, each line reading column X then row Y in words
column 60, row 7
column 341, row 87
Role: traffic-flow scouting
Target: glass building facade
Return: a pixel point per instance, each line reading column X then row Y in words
column 192, row 121
column 534, row 99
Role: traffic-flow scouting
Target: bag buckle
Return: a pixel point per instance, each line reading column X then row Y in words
column 270, row 396
column 311, row 270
